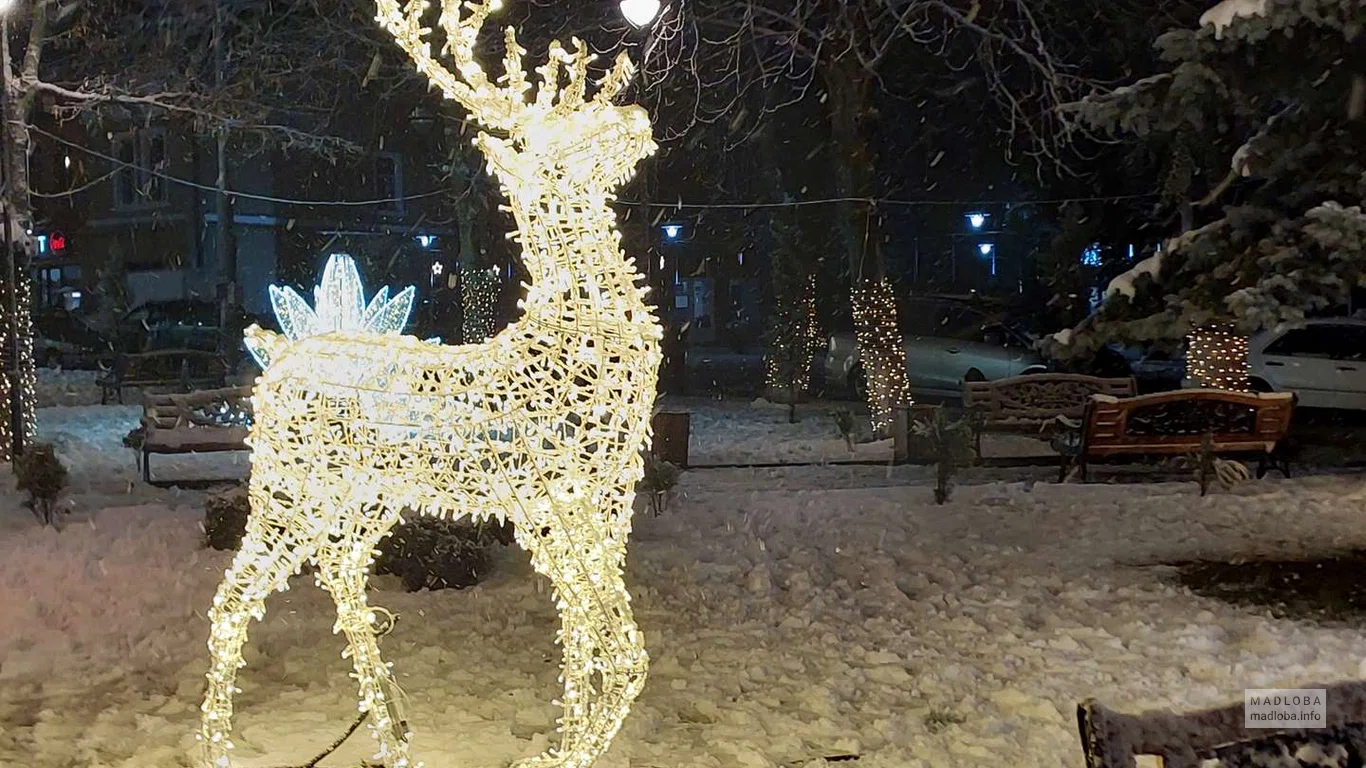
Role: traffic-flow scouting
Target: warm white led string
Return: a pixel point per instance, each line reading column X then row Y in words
column 1217, row 358
column 542, row 425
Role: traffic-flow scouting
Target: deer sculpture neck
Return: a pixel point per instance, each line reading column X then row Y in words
column 581, row 286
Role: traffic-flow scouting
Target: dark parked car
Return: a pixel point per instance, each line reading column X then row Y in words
column 64, row 340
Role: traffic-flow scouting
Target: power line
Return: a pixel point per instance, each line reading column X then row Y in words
column 206, row 188
column 874, row 201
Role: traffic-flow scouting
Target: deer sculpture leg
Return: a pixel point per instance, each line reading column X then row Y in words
column 271, row 552
column 343, row 567
column 604, row 654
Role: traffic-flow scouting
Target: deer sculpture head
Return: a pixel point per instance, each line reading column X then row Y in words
column 556, row 142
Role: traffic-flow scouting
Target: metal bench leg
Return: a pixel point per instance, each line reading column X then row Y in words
column 1063, row 468
column 1083, row 470
column 147, row 467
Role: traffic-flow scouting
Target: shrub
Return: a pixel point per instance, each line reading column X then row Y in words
column 41, row 475
column 844, row 422
column 949, row 443
column 425, row 552
column 660, row 478
column 225, row 519
column 1207, row 467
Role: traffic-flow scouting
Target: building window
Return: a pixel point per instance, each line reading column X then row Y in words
column 143, row 152
column 389, row 182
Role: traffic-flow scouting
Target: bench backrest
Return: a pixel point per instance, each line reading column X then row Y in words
column 196, row 409
column 171, row 365
column 1173, row 422
column 1111, row 739
column 1041, row 396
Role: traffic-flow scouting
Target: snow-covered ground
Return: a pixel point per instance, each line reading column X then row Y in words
column 790, row 614
column 758, row 432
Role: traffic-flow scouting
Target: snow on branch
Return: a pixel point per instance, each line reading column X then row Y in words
column 1125, row 284
column 1226, row 12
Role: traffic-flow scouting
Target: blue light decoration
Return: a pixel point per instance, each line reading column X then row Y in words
column 977, row 220
column 426, row 241
column 1090, row 256
column 673, row 231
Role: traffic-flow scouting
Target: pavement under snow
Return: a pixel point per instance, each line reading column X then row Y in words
column 791, row 615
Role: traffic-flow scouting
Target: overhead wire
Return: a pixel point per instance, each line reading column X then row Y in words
column 679, row 205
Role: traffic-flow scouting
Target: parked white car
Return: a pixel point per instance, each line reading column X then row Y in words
column 1324, row 363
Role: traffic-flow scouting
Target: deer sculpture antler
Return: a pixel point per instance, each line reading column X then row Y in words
column 503, row 107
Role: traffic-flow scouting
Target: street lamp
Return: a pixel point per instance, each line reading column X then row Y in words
column 639, row 12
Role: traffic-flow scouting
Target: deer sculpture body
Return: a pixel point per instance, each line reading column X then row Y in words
column 542, row 425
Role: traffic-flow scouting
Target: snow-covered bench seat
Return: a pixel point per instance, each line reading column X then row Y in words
column 212, row 421
column 187, row 369
column 1217, row 738
column 1026, row 403
column 1175, row 423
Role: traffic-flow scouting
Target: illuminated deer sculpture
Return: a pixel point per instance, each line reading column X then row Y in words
column 542, row 425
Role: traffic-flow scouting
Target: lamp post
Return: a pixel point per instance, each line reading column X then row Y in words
column 15, row 271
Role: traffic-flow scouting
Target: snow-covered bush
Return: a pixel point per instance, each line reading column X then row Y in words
column 425, row 552
column 41, row 475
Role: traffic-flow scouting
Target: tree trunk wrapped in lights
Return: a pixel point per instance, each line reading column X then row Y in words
column 543, row 425
column 794, row 340
column 881, row 351
column 479, row 303
column 27, row 372
column 1217, row 358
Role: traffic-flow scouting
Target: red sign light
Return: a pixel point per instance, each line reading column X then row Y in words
column 58, row 242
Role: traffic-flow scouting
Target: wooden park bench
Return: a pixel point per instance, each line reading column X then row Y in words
column 1218, row 737
column 183, row 369
column 212, row 421
column 1175, row 424
column 1027, row 403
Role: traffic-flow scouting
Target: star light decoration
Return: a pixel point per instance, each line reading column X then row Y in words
column 542, row 425
column 1216, row 358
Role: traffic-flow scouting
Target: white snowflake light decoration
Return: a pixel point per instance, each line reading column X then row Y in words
column 340, row 302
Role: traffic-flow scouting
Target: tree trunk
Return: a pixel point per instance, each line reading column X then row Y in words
column 17, row 328
column 225, row 237
column 882, row 352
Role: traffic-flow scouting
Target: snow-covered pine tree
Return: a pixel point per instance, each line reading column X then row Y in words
column 1276, row 90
